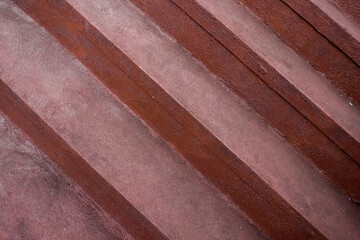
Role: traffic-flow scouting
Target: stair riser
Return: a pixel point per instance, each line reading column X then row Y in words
column 321, row 119
column 39, row 201
column 76, row 167
column 294, row 126
column 182, row 131
column 351, row 7
column 332, row 30
column 112, row 139
column 311, row 45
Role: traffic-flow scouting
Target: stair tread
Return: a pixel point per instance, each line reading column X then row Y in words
column 220, row 110
column 350, row 7
column 114, row 141
column 183, row 24
column 38, row 201
column 332, row 22
column 339, row 17
column 312, row 84
column 316, row 37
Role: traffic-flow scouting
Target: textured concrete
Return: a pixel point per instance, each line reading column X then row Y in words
column 76, row 167
column 305, row 39
column 89, row 130
column 168, row 118
column 339, row 18
column 333, row 23
column 351, row 7
column 37, row 201
column 225, row 115
column 326, row 106
column 115, row 142
column 248, row 84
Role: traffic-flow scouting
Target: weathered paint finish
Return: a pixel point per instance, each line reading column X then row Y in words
column 306, row 137
column 211, row 148
column 339, row 29
column 283, row 70
column 114, row 141
column 80, row 47
column 307, row 42
column 261, row 203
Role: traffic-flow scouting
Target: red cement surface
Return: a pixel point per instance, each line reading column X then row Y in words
column 37, row 201
column 157, row 181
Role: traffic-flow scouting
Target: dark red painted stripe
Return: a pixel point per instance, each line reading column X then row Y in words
column 307, row 42
column 328, row 27
column 276, row 81
column 300, row 132
column 104, row 194
column 141, row 94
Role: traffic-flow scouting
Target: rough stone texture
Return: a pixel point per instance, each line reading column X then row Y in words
column 337, row 27
column 167, row 117
column 157, row 181
column 37, row 201
column 296, row 29
column 224, row 114
column 160, row 183
column 308, row 90
column 296, row 128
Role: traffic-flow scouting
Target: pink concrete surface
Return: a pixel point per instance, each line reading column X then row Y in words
column 157, row 181
column 350, row 7
column 227, row 116
column 288, row 63
column 339, row 17
column 336, row 25
column 38, row 201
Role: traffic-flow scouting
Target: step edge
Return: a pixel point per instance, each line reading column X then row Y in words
column 283, row 203
column 282, row 84
column 349, row 37
column 318, row 162
column 76, row 167
column 332, row 70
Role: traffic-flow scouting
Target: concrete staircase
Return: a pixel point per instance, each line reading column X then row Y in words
column 187, row 119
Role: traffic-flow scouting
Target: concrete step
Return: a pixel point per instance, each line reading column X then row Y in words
column 138, row 179
column 289, row 179
column 76, row 167
column 350, row 7
column 285, row 71
column 307, row 27
column 38, row 200
column 312, row 140
column 333, row 23
column 200, row 154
